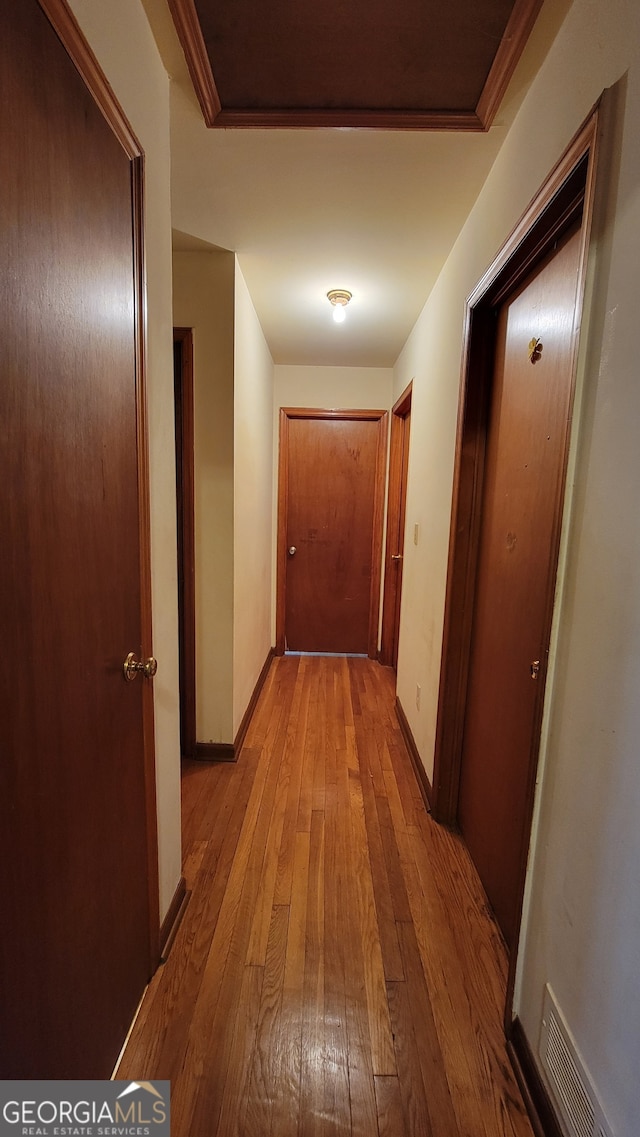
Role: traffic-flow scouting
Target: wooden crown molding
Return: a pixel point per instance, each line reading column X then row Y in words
column 185, row 18
column 515, row 36
column 348, row 119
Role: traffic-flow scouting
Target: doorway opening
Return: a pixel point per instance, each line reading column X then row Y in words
column 564, row 204
column 185, row 513
column 396, row 512
column 330, row 509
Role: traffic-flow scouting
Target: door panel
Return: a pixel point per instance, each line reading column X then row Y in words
column 524, row 473
column 333, row 524
column 396, row 510
column 75, row 953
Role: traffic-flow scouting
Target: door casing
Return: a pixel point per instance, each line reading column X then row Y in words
column 286, row 415
column 396, row 510
column 566, row 196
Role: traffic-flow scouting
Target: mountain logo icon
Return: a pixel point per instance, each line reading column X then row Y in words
column 133, row 1086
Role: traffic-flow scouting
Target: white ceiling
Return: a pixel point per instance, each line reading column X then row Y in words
column 375, row 212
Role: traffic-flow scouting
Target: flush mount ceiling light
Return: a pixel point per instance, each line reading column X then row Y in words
column 339, row 298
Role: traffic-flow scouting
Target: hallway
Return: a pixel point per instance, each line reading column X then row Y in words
column 336, row 971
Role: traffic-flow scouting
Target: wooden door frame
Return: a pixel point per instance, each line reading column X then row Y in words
column 72, row 38
column 286, row 414
column 395, row 526
column 566, row 196
column 185, row 493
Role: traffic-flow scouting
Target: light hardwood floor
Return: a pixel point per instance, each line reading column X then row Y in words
column 336, row 971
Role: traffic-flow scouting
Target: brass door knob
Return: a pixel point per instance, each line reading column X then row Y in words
column 132, row 666
column 396, row 556
column 292, row 550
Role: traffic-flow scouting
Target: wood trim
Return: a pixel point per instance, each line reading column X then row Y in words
column 543, row 1117
column 281, row 548
column 238, row 741
column 524, row 240
column 215, row 752
column 230, row 751
column 144, row 508
column 320, row 412
column 414, row 754
column 510, row 49
column 380, row 416
column 463, row 539
column 402, row 405
column 71, row 36
column 376, row 537
column 346, row 119
column 173, row 918
column 185, row 489
column 516, row 34
column 185, row 18
column 395, row 525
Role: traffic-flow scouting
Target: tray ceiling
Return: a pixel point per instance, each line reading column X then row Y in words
column 414, row 64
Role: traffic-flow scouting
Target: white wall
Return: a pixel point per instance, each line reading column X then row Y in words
column 203, row 285
column 583, row 932
column 253, row 505
column 120, row 37
column 332, row 388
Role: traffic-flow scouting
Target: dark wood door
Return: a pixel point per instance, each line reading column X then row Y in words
column 77, row 876
column 332, row 531
column 524, row 475
column 396, row 511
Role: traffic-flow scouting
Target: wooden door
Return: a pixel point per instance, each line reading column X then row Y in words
column 332, row 470
column 396, row 510
column 524, row 473
column 77, row 838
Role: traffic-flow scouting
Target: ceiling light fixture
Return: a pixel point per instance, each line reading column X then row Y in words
column 339, row 298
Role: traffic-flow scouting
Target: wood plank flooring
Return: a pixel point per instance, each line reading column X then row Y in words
column 336, row 971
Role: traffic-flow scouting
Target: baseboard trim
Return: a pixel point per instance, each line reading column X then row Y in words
column 416, row 761
column 238, row 741
column 215, row 752
column 542, row 1115
column 173, row 918
column 229, row 751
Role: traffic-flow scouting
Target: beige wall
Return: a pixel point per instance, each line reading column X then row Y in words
column 332, row 388
column 203, row 285
column 252, row 538
column 233, row 398
column 583, row 930
column 120, row 37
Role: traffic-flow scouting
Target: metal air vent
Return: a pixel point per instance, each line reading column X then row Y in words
column 580, row 1110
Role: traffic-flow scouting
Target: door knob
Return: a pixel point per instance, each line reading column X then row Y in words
column 396, row 556
column 132, row 666
column 292, row 550
column 534, row 668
